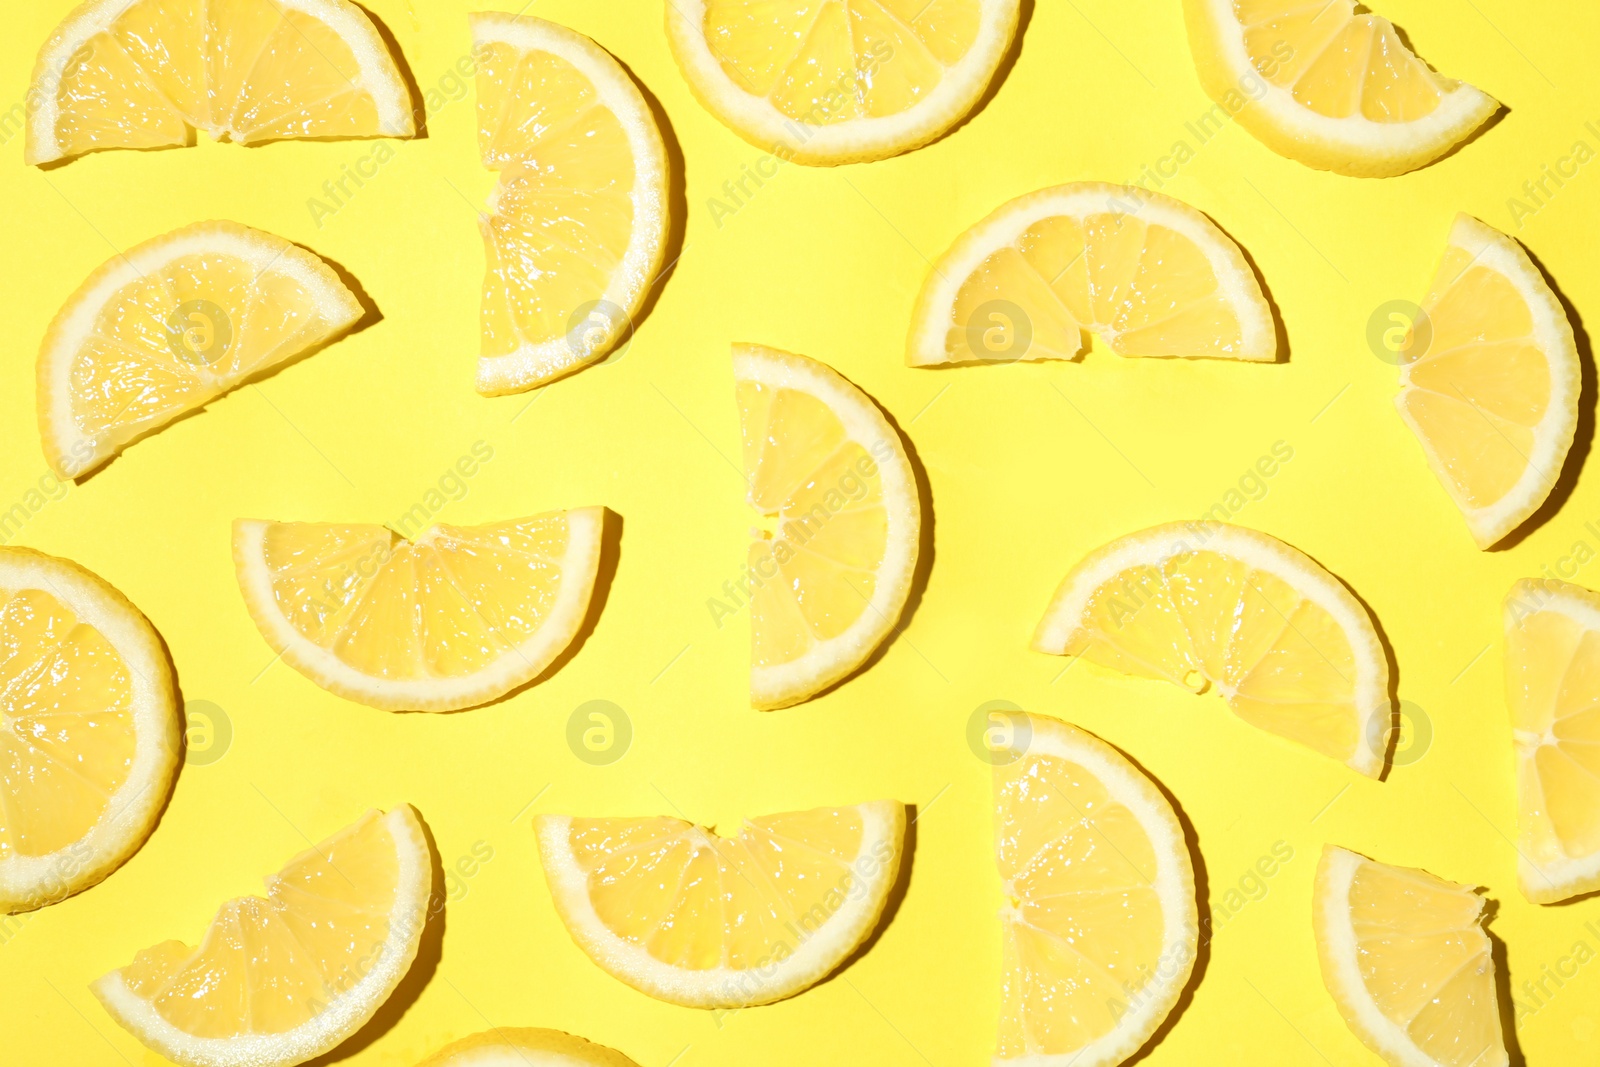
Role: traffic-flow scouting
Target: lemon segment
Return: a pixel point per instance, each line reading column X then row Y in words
column 146, row 73
column 697, row 918
column 1212, row 605
column 281, row 979
column 577, row 226
column 455, row 618
column 1492, row 389
column 825, row 82
column 1406, row 959
column 89, row 729
column 1147, row 274
column 1100, row 927
column 512, row 1046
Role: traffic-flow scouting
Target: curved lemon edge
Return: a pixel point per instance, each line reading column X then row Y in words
column 1174, row 884
column 832, row 661
column 1341, row 970
column 378, row 67
column 516, row 667
column 1384, row 149
column 137, row 803
column 345, row 1013
column 1549, row 882
column 932, row 315
column 70, row 452
column 539, row 363
column 1059, row 625
column 555, row 1048
column 1553, row 436
column 860, row 140
column 723, row 987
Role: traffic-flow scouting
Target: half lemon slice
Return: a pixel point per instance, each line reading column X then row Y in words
column 1329, row 84
column 282, row 979
column 460, row 616
column 89, row 729
column 1100, row 930
column 1406, row 959
column 1209, row 604
column 830, row 580
column 170, row 325
column 829, row 82
column 1490, row 381
column 697, row 918
column 1150, row 275
column 146, row 73
column 577, row 225
column 513, row 1046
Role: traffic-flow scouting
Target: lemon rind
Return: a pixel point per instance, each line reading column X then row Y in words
column 553, row 1048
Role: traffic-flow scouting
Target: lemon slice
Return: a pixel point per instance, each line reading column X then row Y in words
column 511, row 1046
column 460, row 616
column 88, row 729
column 1100, row 930
column 146, row 73
column 1407, row 961
column 829, row 582
column 1492, row 389
column 1209, row 604
column 1553, row 692
column 172, row 324
column 824, row 82
column 282, row 979
column 1150, row 275
column 1329, row 84
column 696, row 918
column 578, row 222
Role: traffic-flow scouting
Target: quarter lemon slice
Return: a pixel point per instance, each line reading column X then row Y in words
column 1553, row 691
column 147, row 73
column 1100, row 929
column 1407, row 961
column 578, row 222
column 459, row 616
column 1329, row 84
column 1150, row 275
column 282, row 979
column 172, row 324
column 826, row 82
column 1492, row 392
column 696, row 918
column 1209, row 604
column 511, row 1046
column 89, row 732
column 829, row 582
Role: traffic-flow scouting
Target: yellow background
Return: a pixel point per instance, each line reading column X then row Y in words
column 1030, row 467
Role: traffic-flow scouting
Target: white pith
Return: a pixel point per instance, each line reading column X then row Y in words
column 935, row 310
column 536, row 362
column 826, row 662
column 71, row 451
column 516, row 666
column 882, row 822
column 344, row 1013
column 1174, row 886
column 1062, row 621
column 29, row 881
column 758, row 121
column 1552, row 438
column 375, row 66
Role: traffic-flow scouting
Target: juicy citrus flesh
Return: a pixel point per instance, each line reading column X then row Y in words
column 1552, row 634
column 1407, row 960
column 496, row 602
column 1215, row 606
column 513, row 1046
column 1493, row 393
column 1092, row 864
column 245, row 70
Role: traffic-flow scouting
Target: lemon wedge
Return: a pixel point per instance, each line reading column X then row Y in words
column 512, row 1046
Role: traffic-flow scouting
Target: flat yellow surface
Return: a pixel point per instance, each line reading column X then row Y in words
column 1030, row 465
